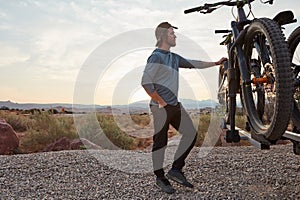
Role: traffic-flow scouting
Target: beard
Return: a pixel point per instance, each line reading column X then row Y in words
column 172, row 43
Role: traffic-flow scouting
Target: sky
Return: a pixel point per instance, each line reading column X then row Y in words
column 47, row 44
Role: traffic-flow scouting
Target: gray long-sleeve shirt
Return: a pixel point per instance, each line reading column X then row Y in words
column 161, row 74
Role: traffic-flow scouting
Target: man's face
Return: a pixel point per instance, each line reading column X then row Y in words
column 171, row 37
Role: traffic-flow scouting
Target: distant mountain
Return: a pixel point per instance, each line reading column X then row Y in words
column 28, row 106
column 194, row 104
column 187, row 103
column 136, row 106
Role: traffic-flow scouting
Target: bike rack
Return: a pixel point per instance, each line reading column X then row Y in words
column 247, row 136
column 294, row 137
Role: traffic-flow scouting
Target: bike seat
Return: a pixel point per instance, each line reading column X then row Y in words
column 285, row 17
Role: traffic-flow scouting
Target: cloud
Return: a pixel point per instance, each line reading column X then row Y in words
column 10, row 55
column 49, row 40
column 53, row 39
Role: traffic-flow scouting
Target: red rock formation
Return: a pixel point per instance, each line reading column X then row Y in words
column 9, row 141
column 70, row 144
column 62, row 144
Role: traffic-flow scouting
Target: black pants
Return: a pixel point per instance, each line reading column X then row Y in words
column 181, row 121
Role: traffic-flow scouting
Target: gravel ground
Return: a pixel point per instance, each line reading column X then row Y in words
column 225, row 173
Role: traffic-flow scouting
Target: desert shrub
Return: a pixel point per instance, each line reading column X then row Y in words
column 52, row 111
column 89, row 129
column 20, row 123
column 114, row 133
column 31, row 111
column 46, row 129
column 141, row 120
column 240, row 121
column 104, row 132
column 207, row 123
column 4, row 108
column 204, row 121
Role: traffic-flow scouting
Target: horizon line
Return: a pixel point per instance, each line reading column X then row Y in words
column 97, row 104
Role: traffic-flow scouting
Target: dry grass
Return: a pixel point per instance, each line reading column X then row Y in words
column 104, row 132
column 46, row 129
column 40, row 129
column 203, row 122
column 20, row 123
column 141, row 120
column 240, row 121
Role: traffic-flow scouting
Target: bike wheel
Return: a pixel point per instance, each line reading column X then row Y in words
column 293, row 42
column 268, row 98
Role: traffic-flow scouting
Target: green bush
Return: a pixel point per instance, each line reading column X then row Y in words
column 240, row 121
column 104, row 132
column 19, row 123
column 204, row 121
column 114, row 133
column 141, row 120
column 46, row 129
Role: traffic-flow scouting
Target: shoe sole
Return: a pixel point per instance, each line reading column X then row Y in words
column 174, row 179
column 178, row 181
column 171, row 192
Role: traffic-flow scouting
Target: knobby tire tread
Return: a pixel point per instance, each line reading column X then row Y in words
column 281, row 59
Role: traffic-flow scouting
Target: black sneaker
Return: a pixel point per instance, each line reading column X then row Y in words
column 164, row 185
column 178, row 176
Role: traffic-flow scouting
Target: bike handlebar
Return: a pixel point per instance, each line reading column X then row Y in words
column 210, row 7
column 196, row 9
column 222, row 31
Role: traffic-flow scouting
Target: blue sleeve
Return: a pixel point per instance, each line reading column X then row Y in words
column 150, row 71
column 198, row 64
column 184, row 63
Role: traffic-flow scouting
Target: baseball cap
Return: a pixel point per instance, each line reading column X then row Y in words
column 161, row 28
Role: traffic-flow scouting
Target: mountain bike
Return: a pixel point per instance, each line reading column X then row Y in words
column 258, row 69
column 294, row 45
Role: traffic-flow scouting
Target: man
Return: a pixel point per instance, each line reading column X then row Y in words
column 160, row 80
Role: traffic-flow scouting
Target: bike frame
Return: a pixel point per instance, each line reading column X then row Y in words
column 239, row 33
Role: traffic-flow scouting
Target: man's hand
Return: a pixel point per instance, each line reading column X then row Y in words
column 155, row 96
column 223, row 59
column 162, row 104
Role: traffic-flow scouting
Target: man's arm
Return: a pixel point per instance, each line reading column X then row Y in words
column 184, row 63
column 150, row 89
column 155, row 96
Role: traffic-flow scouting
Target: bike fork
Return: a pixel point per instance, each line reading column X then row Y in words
column 232, row 135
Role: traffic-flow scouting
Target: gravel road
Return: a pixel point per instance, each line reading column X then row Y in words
column 225, row 173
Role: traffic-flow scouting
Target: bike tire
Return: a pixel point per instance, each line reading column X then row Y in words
column 294, row 45
column 277, row 52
